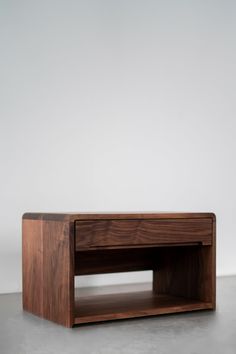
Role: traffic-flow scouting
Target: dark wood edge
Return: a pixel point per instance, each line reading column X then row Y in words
column 46, row 216
column 72, row 274
column 118, row 216
column 214, row 263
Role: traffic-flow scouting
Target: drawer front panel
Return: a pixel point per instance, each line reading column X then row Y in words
column 92, row 234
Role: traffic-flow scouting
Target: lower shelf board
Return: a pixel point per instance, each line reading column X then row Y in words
column 131, row 304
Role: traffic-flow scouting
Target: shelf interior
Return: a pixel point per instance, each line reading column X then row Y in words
column 127, row 301
column 182, row 281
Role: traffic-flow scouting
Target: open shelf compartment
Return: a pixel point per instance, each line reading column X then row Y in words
column 132, row 303
column 179, row 278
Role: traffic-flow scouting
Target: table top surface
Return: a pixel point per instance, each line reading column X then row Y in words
column 117, row 215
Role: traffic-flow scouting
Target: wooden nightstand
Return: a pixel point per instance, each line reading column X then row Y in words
column 179, row 248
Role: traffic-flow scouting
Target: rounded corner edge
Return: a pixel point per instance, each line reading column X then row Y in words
column 25, row 216
column 213, row 216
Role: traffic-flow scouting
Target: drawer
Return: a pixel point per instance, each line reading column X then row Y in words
column 93, row 234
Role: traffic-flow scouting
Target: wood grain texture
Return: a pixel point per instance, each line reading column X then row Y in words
column 178, row 272
column 112, row 261
column 58, row 284
column 48, row 270
column 188, row 272
column 180, row 248
column 132, row 304
column 207, row 270
column 108, row 233
column 32, row 266
column 117, row 215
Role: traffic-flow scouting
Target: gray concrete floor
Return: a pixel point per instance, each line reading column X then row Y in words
column 191, row 333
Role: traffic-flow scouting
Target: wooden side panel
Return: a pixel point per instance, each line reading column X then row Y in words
column 107, row 233
column 188, row 272
column 32, row 266
column 58, row 278
column 178, row 272
column 207, row 271
column 48, row 270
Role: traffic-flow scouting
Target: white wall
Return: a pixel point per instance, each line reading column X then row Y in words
column 111, row 105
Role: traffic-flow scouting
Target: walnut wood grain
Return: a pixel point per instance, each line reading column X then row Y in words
column 48, row 270
column 112, row 261
column 132, row 304
column 115, row 215
column 32, row 266
column 189, row 272
column 115, row 233
column 58, row 285
column 180, row 249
